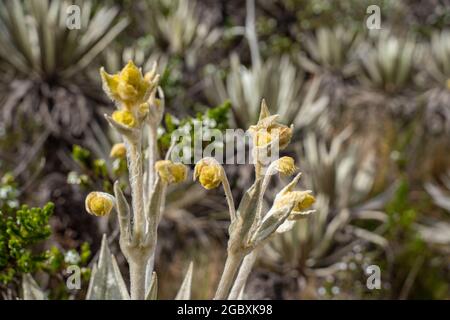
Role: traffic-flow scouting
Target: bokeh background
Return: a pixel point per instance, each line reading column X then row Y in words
column 371, row 110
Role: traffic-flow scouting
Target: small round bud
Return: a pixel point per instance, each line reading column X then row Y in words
column 285, row 135
column 307, row 201
column 171, row 172
column 209, row 173
column 286, row 166
column 99, row 203
column 301, row 200
column 118, row 151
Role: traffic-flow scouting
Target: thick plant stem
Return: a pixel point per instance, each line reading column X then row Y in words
column 244, row 272
column 137, row 186
column 137, row 279
column 228, row 276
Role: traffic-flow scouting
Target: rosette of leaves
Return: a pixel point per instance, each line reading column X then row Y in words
column 388, row 65
column 440, row 192
column 437, row 80
column 347, row 214
column 47, row 61
column 279, row 81
column 177, row 28
column 330, row 54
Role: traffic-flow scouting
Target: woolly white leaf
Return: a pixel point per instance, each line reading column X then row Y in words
column 31, row 290
column 153, row 290
column 106, row 281
column 185, row 290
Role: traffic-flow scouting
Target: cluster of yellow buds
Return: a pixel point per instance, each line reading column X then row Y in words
column 171, row 172
column 130, row 89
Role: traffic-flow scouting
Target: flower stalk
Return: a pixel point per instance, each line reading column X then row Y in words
column 250, row 228
column 138, row 110
column 232, row 264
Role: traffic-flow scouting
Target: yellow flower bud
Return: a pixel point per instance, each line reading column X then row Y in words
column 304, row 204
column 125, row 118
column 171, row 172
column 99, row 203
column 301, row 200
column 128, row 87
column 284, row 135
column 118, row 151
column 268, row 129
column 209, row 173
column 286, row 166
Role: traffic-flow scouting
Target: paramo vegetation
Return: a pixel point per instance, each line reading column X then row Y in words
column 93, row 205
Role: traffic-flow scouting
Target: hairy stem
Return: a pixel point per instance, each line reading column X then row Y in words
column 230, row 271
column 244, row 272
column 137, row 279
column 137, row 187
column 152, row 157
column 151, row 178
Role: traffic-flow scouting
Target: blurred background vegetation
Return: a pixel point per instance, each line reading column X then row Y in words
column 371, row 110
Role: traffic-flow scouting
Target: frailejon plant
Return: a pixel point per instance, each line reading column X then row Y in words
column 138, row 115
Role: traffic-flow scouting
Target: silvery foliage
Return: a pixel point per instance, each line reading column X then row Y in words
column 388, row 68
column 438, row 59
column 388, row 61
column 441, row 195
column 36, row 45
column 184, row 293
column 178, row 26
column 106, row 282
column 342, row 175
column 31, row 290
column 435, row 77
column 331, row 51
column 279, row 81
column 432, row 230
column 331, row 56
